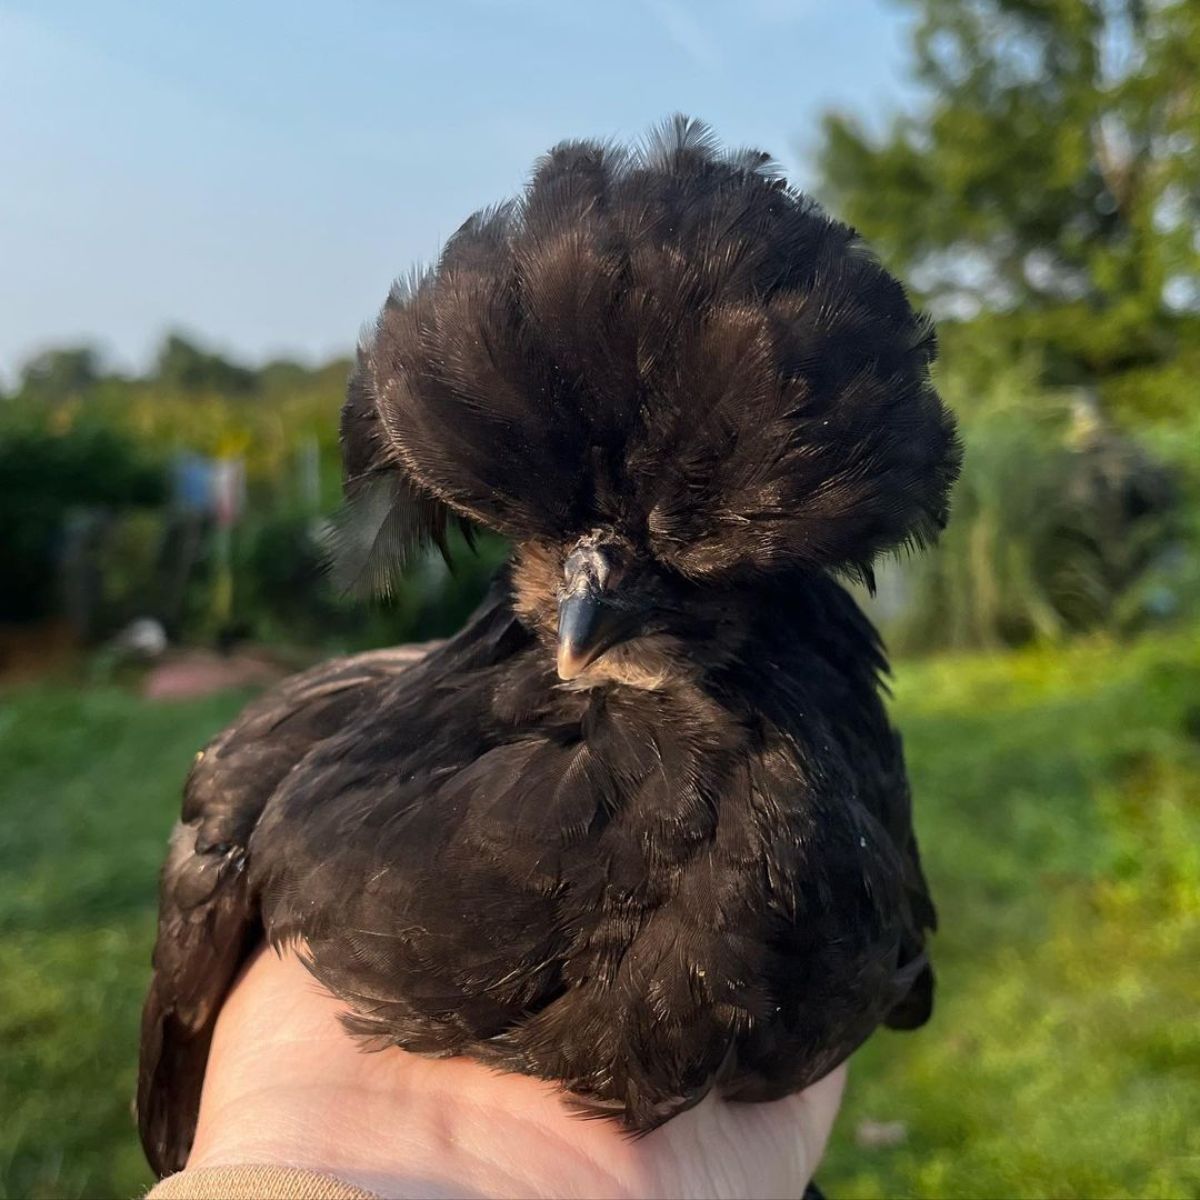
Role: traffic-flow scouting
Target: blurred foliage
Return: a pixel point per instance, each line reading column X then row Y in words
column 184, row 367
column 1058, row 802
column 192, row 399
column 1042, row 199
column 44, row 477
column 289, row 597
column 1061, row 524
column 1051, row 180
column 60, row 374
column 84, row 450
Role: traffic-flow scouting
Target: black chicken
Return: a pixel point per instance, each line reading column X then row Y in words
column 641, row 828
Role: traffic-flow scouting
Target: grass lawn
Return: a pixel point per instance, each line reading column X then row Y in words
column 1058, row 798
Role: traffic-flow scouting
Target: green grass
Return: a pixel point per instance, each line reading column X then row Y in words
column 89, row 785
column 1058, row 800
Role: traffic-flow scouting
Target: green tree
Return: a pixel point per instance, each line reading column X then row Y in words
column 60, row 374
column 1052, row 176
column 184, row 366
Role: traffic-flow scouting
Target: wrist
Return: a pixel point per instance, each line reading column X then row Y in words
column 457, row 1145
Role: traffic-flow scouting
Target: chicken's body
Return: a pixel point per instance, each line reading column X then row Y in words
column 680, row 858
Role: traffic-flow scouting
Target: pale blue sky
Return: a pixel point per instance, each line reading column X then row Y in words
column 256, row 172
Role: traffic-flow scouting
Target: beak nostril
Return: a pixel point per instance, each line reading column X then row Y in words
column 586, row 563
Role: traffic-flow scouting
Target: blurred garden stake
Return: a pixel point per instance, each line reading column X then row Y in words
column 308, row 474
column 189, row 523
column 229, row 498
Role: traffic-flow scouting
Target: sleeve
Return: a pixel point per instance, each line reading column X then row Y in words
column 255, row 1183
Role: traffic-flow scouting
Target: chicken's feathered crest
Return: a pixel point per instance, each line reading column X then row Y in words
column 667, row 341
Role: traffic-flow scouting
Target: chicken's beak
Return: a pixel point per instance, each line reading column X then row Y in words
column 590, row 617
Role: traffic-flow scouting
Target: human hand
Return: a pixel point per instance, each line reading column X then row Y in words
column 287, row 1086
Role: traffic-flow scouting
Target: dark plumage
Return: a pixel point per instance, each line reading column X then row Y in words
column 642, row 827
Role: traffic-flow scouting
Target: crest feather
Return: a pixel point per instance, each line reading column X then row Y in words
column 667, row 340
